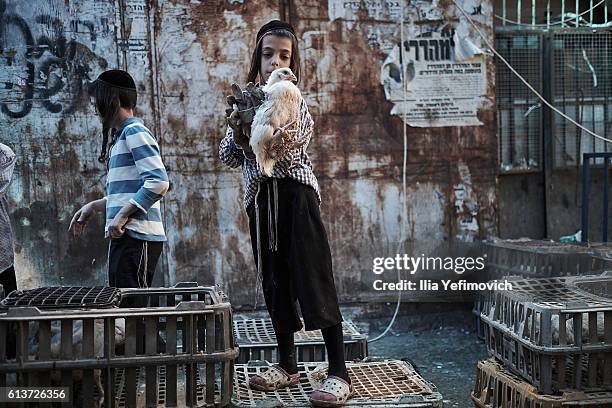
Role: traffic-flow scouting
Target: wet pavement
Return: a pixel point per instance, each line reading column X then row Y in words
column 441, row 343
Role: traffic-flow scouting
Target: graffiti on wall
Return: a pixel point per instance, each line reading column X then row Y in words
column 51, row 70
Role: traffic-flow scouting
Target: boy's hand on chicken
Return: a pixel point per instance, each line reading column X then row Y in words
column 282, row 140
column 245, row 102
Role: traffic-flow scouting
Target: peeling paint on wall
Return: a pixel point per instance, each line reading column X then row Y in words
column 466, row 205
column 184, row 55
column 437, row 75
column 50, row 52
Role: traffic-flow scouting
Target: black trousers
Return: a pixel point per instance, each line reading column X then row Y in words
column 8, row 280
column 132, row 262
column 9, row 284
column 296, row 261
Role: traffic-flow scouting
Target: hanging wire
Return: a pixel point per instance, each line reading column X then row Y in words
column 404, row 168
column 397, row 306
column 485, row 39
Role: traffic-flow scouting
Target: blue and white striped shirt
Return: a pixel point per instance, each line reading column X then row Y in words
column 136, row 174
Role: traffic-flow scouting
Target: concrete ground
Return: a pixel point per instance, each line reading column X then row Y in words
column 438, row 338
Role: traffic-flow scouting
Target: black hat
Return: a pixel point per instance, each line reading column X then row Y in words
column 274, row 25
column 117, row 78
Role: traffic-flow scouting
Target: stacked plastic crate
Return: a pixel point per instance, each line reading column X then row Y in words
column 602, row 255
column 552, row 340
column 378, row 383
column 171, row 347
column 537, row 259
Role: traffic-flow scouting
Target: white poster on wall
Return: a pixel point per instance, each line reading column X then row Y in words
column 445, row 81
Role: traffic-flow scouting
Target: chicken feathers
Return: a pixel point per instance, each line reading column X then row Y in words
column 271, row 133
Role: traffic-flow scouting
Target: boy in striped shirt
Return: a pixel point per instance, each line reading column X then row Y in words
column 135, row 184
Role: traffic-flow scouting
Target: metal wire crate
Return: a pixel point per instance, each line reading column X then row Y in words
column 377, row 382
column 537, row 259
column 519, row 133
column 63, row 297
column 172, row 345
column 554, row 332
column 495, row 387
column 257, row 341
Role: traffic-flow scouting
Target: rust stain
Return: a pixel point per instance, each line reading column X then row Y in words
column 200, row 49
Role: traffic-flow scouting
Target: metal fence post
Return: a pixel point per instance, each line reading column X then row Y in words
column 585, row 196
column 605, row 200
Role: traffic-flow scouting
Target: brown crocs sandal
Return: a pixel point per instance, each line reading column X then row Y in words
column 273, row 379
column 334, row 392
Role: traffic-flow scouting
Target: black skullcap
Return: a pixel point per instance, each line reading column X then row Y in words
column 274, row 25
column 117, row 78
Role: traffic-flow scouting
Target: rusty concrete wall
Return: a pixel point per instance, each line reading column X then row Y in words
column 49, row 53
column 450, row 170
column 184, row 54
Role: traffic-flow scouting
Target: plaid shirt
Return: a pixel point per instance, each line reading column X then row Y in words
column 295, row 164
column 7, row 164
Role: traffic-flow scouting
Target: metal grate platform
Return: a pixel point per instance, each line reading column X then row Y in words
column 64, row 297
column 257, row 341
column 377, row 383
column 495, row 387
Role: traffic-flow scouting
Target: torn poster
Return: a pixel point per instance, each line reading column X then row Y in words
column 445, row 80
column 384, row 10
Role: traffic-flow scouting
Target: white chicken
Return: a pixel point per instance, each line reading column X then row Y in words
column 270, row 134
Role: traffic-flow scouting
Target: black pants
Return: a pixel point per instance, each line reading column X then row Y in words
column 9, row 283
column 8, row 280
column 132, row 262
column 299, row 268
